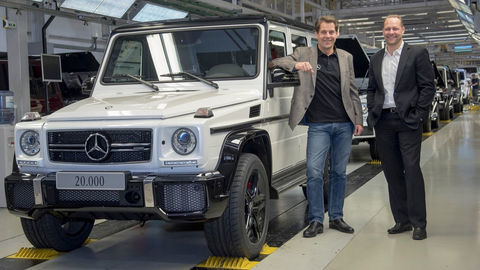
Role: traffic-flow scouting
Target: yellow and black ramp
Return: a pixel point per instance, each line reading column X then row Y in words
column 214, row 262
column 35, row 254
column 232, row 263
column 27, row 257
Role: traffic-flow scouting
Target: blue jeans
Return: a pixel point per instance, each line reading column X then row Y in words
column 322, row 137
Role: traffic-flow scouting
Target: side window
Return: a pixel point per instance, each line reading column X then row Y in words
column 298, row 41
column 276, row 42
column 314, row 42
column 130, row 55
column 129, row 59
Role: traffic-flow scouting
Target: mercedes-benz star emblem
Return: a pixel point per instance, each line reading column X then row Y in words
column 97, row 147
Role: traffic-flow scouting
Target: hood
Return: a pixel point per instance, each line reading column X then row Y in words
column 351, row 44
column 151, row 105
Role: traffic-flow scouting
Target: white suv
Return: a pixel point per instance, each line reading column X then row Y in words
column 184, row 124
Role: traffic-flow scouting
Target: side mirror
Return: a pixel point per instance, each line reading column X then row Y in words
column 282, row 78
column 87, row 85
column 280, row 75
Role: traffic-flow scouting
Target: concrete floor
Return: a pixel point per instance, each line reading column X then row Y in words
column 450, row 162
column 451, row 166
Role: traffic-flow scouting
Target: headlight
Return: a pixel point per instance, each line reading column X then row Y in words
column 30, row 143
column 184, row 141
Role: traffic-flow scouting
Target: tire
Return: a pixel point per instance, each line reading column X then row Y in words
column 373, row 149
column 427, row 123
column 52, row 232
column 450, row 113
column 436, row 122
column 242, row 229
column 444, row 113
column 456, row 108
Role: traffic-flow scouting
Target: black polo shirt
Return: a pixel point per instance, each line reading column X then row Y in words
column 327, row 105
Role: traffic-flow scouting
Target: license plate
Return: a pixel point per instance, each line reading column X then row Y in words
column 91, row 180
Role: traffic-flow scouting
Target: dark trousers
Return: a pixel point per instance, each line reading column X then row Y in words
column 399, row 150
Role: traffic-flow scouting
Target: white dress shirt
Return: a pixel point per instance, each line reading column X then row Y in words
column 389, row 73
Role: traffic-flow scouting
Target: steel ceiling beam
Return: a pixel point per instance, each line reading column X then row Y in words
column 399, row 9
column 66, row 13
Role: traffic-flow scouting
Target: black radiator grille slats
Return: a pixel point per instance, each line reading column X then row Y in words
column 130, row 145
column 88, row 198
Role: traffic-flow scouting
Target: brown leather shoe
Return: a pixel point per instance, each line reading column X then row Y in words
column 419, row 233
column 313, row 229
column 399, row 228
column 340, row 225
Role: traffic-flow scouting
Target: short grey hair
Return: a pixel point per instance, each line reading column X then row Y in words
column 394, row 16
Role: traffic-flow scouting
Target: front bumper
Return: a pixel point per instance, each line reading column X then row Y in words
column 173, row 197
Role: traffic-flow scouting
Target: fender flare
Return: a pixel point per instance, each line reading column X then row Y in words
column 248, row 140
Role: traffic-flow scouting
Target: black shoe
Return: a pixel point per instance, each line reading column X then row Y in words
column 419, row 233
column 313, row 229
column 340, row 225
column 399, row 228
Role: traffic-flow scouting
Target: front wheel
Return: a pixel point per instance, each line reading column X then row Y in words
column 242, row 229
column 54, row 232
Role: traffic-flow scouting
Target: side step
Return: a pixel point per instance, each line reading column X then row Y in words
column 286, row 179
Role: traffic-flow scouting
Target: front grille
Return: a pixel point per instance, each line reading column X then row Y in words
column 88, row 198
column 125, row 146
column 20, row 195
column 181, row 198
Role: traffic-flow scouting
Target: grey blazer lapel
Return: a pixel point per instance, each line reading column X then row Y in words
column 343, row 64
column 313, row 62
column 401, row 64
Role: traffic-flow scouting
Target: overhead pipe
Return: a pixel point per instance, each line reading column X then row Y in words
column 44, row 33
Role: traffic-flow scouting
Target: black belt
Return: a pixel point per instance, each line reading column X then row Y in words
column 390, row 110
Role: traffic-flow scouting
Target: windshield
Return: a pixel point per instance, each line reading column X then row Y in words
column 210, row 54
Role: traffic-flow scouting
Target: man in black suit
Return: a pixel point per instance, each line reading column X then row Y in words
column 400, row 92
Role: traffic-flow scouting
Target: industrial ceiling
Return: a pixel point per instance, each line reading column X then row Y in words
column 436, row 24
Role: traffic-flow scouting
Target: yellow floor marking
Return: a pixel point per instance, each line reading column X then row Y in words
column 89, row 240
column 427, row 133
column 375, row 162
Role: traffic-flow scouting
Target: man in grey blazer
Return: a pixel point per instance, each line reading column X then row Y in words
column 327, row 101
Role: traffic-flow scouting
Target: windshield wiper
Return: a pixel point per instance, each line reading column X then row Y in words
column 182, row 73
column 149, row 84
